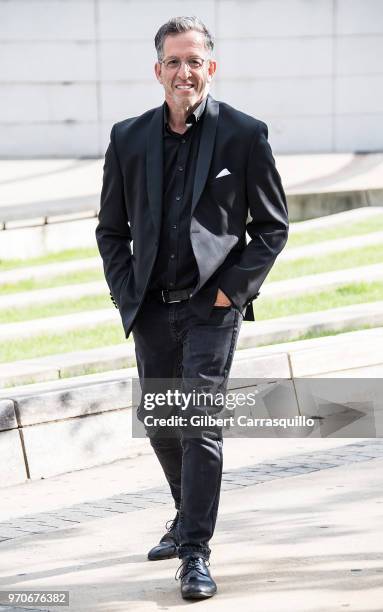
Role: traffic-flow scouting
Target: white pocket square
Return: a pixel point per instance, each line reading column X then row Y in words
column 223, row 172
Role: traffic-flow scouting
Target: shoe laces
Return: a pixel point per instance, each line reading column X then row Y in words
column 169, row 525
column 189, row 564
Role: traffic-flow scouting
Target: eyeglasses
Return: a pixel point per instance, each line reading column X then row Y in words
column 194, row 63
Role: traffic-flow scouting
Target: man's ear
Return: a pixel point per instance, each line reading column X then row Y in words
column 157, row 71
column 211, row 70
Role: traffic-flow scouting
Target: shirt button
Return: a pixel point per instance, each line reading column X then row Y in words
column 183, row 141
column 171, row 284
column 180, row 168
column 174, row 226
column 172, row 256
column 178, row 198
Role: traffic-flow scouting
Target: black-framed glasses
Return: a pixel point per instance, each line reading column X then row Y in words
column 174, row 63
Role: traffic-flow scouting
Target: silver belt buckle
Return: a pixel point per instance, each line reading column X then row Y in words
column 168, row 302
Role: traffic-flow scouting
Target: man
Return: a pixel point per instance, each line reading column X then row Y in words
column 184, row 182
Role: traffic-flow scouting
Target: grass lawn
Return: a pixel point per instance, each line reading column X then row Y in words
column 282, row 269
column 54, row 344
column 322, row 334
column 60, row 280
column 265, row 308
column 38, row 311
column 68, row 255
column 351, row 258
column 354, row 228
column 354, row 293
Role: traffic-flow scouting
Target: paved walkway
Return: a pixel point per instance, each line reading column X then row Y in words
column 40, row 188
column 299, row 530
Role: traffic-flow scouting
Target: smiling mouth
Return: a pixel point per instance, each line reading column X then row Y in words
column 184, row 87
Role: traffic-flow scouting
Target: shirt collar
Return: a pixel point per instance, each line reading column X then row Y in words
column 191, row 119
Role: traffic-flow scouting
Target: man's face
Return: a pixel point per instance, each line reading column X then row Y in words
column 184, row 86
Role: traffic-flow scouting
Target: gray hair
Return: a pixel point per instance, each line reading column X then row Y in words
column 177, row 25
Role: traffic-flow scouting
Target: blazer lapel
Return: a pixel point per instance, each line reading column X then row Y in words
column 206, row 149
column 154, row 166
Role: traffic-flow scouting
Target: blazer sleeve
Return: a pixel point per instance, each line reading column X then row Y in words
column 113, row 233
column 267, row 228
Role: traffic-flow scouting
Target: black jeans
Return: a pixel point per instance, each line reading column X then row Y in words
column 173, row 342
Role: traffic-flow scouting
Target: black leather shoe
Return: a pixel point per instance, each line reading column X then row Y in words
column 196, row 582
column 168, row 545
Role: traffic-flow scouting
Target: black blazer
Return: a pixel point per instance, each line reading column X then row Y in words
column 250, row 198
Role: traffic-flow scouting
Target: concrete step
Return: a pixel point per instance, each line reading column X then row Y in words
column 339, row 218
column 92, row 415
column 50, row 295
column 331, row 246
column 75, row 363
column 96, row 393
column 268, row 331
column 49, row 270
column 284, row 329
column 319, row 356
column 313, row 283
column 45, row 296
column 301, row 358
column 252, row 334
column 53, row 295
column 95, row 263
column 60, row 324
column 290, row 287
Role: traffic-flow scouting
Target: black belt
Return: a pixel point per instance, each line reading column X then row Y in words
column 169, row 297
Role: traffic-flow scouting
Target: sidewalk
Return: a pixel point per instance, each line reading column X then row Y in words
column 49, row 187
column 299, row 530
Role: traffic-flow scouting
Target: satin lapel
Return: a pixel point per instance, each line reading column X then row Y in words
column 154, row 166
column 206, row 149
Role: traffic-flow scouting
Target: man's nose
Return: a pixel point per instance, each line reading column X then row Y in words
column 184, row 69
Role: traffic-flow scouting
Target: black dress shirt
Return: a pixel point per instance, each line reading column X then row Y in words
column 175, row 266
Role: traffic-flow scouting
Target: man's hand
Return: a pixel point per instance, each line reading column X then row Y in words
column 222, row 299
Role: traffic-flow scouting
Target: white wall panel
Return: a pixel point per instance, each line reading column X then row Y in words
column 275, row 58
column 359, row 94
column 122, row 100
column 45, row 139
column 42, row 20
column 120, row 61
column 62, row 61
column 53, row 102
column 279, row 97
column 359, row 17
column 359, row 132
column 69, row 69
column 262, row 18
column 359, row 55
column 106, row 127
column 300, row 134
column 138, row 19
